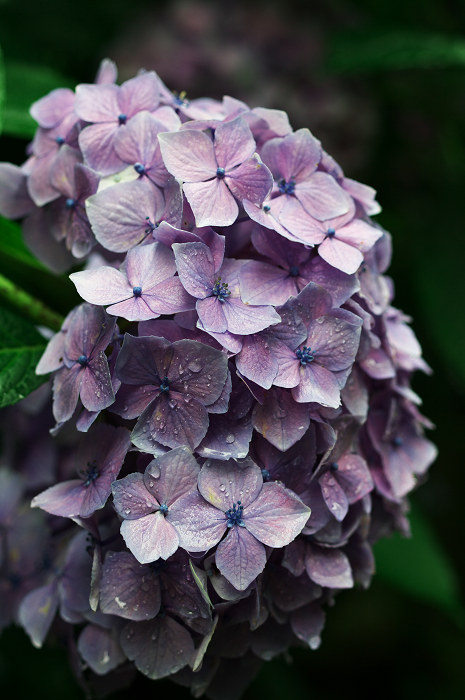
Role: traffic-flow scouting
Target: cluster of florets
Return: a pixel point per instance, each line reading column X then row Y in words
column 238, row 378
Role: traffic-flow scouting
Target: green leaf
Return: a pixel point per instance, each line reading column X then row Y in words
column 201, row 578
column 11, row 243
column 24, row 85
column 386, row 50
column 21, row 347
column 419, row 567
column 2, row 89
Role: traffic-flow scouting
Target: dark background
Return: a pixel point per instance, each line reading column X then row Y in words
column 382, row 85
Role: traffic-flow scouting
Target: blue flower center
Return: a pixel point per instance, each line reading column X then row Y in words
column 266, row 208
column 91, row 474
column 397, row 441
column 234, row 515
column 151, row 227
column 286, row 187
column 265, row 474
column 83, row 360
column 165, row 385
column 305, row 355
column 70, row 203
column 179, row 99
column 334, row 466
column 220, row 290
column 137, row 291
column 139, row 168
column 220, row 173
column 163, row 509
column 294, row 271
column 59, row 140
column 122, row 118
column 330, row 233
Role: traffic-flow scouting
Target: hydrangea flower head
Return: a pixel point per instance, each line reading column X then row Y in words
column 238, row 370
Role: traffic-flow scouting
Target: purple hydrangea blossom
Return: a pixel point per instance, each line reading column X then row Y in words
column 176, row 384
column 149, row 502
column 217, row 289
column 232, row 498
column 107, row 107
column 143, row 289
column 84, row 373
column 217, row 171
column 259, row 370
column 98, row 461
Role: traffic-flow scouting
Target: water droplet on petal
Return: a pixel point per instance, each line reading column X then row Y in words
column 172, row 403
column 222, row 487
column 195, row 366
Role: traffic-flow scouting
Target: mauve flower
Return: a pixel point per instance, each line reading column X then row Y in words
column 148, row 503
column 107, row 107
column 99, row 460
column 143, row 289
column 233, row 498
column 217, row 171
column 127, row 213
column 174, row 383
column 216, row 286
column 294, row 162
column 85, row 372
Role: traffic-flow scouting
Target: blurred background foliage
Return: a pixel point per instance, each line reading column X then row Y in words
column 382, row 85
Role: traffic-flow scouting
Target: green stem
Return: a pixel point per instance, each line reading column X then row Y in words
column 34, row 309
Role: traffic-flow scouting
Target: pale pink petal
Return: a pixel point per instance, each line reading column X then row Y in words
column 276, row 516
column 212, row 203
column 150, row 538
column 322, row 197
column 340, row 255
column 234, row 143
column 188, row 155
column 102, row 285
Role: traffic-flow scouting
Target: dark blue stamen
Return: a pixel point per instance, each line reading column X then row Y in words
column 265, row 474
column 122, row 118
column 137, row 291
column 220, row 290
column 234, row 515
column 220, row 173
column 163, row 508
column 266, row 208
column 59, row 140
column 305, row 355
column 397, row 441
column 92, row 473
column 139, row 168
column 330, row 232
column 286, row 187
column 334, row 466
column 294, row 271
column 165, row 385
column 151, row 227
column 70, row 203
column 83, row 360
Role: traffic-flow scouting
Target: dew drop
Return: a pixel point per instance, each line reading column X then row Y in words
column 127, row 511
column 172, row 403
column 222, row 488
column 195, row 366
column 230, row 438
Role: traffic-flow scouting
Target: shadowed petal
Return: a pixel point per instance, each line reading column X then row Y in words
column 240, row 557
column 277, row 516
column 128, row 589
column 280, row 419
column 328, row 567
column 159, row 647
